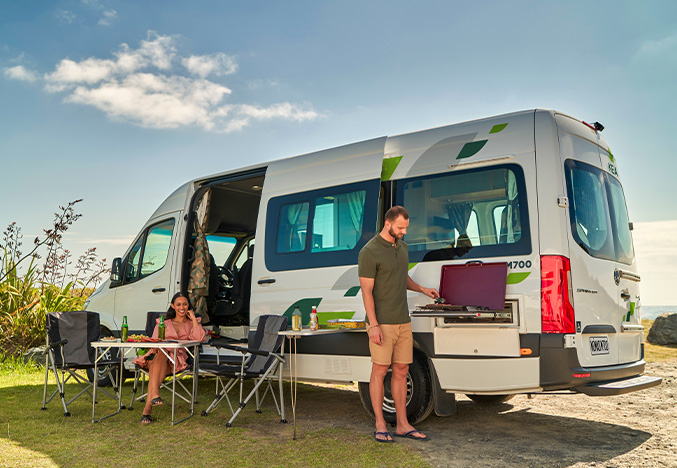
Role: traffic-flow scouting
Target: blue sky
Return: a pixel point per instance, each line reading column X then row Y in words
column 120, row 102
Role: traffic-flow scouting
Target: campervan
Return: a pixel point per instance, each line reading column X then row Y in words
column 537, row 190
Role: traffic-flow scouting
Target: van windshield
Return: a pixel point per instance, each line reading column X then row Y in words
column 599, row 217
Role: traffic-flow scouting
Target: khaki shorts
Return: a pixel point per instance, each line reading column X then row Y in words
column 397, row 347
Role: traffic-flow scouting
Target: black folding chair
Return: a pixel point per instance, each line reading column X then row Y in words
column 260, row 361
column 69, row 351
column 142, row 374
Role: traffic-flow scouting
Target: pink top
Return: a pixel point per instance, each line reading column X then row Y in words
column 188, row 332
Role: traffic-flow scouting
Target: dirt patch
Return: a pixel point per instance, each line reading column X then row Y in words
column 633, row 430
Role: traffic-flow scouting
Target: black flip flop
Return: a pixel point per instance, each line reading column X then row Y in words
column 383, row 434
column 157, row 402
column 146, row 419
column 410, row 435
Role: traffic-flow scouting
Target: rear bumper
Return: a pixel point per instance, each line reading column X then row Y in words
column 620, row 386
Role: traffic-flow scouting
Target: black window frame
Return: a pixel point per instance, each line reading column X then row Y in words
column 304, row 259
column 144, row 238
column 521, row 247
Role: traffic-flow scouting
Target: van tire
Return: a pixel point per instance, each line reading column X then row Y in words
column 420, row 401
column 489, row 399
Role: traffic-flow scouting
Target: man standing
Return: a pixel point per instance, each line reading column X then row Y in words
column 384, row 279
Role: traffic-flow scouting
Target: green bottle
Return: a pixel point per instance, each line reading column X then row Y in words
column 161, row 329
column 124, row 331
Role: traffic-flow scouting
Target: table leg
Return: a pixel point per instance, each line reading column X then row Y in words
column 173, row 385
column 96, row 382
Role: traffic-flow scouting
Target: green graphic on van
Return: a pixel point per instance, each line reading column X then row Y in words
column 631, row 312
column 352, row 292
column 515, row 278
column 306, row 305
column 498, row 128
column 412, row 265
column 389, row 166
column 471, row 149
column 611, row 156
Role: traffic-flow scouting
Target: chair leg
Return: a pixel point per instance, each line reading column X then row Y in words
column 44, row 390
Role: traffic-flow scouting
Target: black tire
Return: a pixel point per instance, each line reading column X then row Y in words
column 489, row 399
column 420, row 401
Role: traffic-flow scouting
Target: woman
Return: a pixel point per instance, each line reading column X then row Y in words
column 180, row 324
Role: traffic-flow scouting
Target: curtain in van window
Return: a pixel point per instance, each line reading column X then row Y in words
column 513, row 227
column 459, row 215
column 198, row 284
column 356, row 207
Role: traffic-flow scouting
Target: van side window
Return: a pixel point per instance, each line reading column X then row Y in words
column 470, row 214
column 597, row 211
column 150, row 251
column 337, row 224
column 156, row 250
column 320, row 228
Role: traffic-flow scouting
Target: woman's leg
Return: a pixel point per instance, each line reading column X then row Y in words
column 157, row 371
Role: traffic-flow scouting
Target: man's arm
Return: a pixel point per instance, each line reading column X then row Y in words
column 374, row 331
column 414, row 286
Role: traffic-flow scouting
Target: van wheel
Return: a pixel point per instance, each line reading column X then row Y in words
column 489, row 399
column 420, row 402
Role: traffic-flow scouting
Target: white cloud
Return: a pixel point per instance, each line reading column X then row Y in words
column 108, row 16
column 205, row 65
column 65, row 16
column 20, row 73
column 662, row 46
column 144, row 86
column 656, row 252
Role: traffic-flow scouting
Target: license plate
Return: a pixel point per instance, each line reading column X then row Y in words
column 599, row 345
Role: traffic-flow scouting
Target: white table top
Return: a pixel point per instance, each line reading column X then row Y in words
column 322, row 331
column 146, row 344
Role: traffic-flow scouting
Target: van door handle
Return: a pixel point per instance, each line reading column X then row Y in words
column 625, row 295
column 266, row 281
column 157, row 290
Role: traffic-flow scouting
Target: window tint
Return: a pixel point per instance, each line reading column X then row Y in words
column 326, row 227
column 337, row 224
column 149, row 253
column 474, row 213
column 293, row 226
column 156, row 250
column 599, row 218
column 133, row 261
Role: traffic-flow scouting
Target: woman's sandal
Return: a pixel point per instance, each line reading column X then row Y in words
column 157, row 402
column 146, row 419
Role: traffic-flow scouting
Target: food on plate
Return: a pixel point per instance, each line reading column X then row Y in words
column 108, row 338
column 346, row 323
column 135, row 338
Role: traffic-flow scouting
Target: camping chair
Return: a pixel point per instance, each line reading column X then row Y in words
column 142, row 374
column 259, row 363
column 69, row 350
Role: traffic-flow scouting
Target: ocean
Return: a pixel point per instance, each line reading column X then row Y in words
column 651, row 312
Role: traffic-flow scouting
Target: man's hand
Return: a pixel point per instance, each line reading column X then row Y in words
column 430, row 292
column 375, row 335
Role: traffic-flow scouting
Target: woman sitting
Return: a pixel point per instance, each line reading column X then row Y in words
column 180, row 324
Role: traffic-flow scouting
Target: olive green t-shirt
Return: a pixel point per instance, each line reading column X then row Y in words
column 388, row 264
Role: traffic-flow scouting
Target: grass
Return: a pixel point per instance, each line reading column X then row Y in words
column 30, row 437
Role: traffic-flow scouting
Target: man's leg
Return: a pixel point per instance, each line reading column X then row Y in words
column 398, row 387
column 376, row 392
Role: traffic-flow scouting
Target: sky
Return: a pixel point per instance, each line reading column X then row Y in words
column 121, row 102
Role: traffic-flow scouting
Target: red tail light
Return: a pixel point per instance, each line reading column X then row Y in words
column 557, row 310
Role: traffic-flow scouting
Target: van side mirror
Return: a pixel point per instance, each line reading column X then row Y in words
column 116, row 272
column 631, row 226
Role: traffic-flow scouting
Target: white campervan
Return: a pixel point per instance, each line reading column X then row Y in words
column 537, row 190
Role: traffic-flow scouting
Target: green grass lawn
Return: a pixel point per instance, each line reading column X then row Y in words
column 30, row 437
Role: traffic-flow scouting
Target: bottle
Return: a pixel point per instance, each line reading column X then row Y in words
column 161, row 328
column 124, row 331
column 313, row 319
column 296, row 324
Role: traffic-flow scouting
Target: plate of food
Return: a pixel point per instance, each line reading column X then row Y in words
column 109, row 338
column 347, row 323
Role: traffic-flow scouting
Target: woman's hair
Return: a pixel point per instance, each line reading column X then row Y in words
column 171, row 313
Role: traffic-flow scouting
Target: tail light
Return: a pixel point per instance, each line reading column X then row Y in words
column 557, row 310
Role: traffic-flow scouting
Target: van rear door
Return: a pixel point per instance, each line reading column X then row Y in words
column 598, row 238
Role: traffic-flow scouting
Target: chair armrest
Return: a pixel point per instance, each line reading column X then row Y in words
column 245, row 350
column 56, row 343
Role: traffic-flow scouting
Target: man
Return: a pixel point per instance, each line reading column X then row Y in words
column 383, row 270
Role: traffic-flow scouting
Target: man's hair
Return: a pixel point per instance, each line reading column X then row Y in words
column 395, row 212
